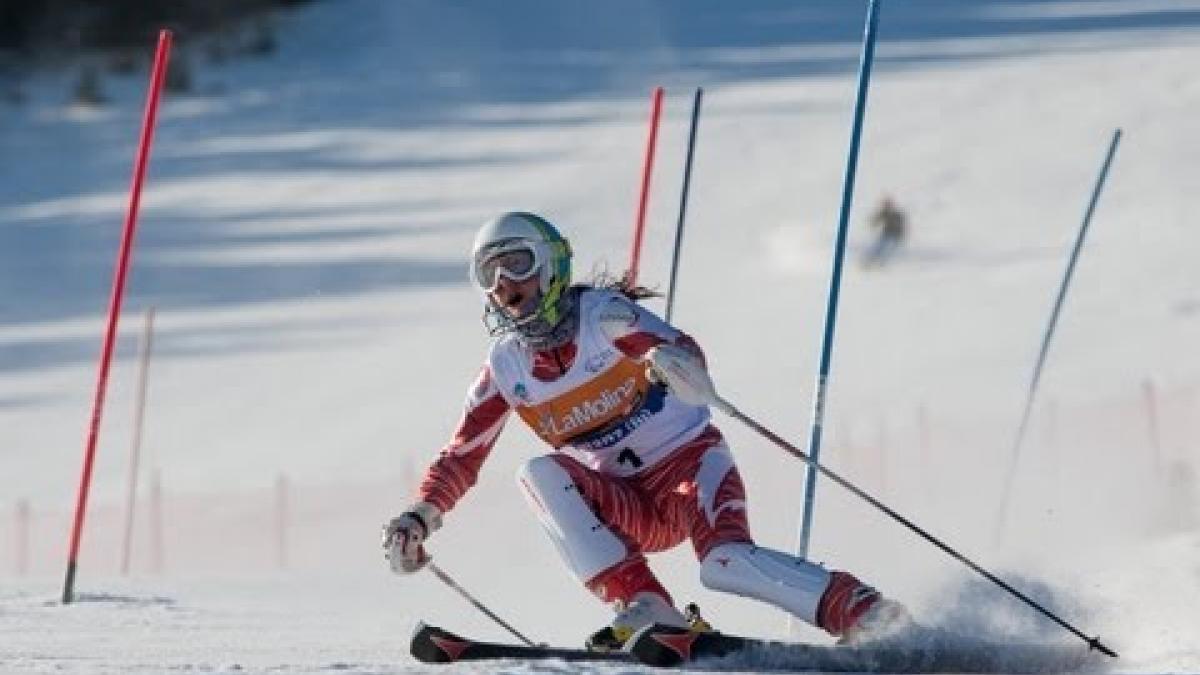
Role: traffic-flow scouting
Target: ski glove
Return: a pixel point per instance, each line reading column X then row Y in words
column 404, row 537
column 682, row 373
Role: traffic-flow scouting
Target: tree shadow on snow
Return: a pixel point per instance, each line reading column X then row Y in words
column 356, row 69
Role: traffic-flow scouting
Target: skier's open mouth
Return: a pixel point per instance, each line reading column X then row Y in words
column 521, row 306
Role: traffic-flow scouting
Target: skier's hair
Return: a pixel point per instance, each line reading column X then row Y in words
column 621, row 283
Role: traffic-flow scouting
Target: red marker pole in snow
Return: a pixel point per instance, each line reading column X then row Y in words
column 639, row 226
column 157, row 77
column 135, row 449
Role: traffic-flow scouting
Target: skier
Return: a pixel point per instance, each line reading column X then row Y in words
column 891, row 222
column 637, row 465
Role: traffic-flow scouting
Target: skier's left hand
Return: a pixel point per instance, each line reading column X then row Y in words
column 682, row 372
column 404, row 537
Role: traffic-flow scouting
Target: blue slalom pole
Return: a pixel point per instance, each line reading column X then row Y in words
column 683, row 199
column 1046, row 337
column 835, row 280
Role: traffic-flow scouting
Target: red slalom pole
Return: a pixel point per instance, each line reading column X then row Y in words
column 639, row 226
column 161, row 55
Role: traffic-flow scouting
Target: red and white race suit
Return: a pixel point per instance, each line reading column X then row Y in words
column 634, row 470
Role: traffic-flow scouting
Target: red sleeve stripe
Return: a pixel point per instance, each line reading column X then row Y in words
column 450, row 476
column 457, row 467
column 635, row 345
column 480, row 424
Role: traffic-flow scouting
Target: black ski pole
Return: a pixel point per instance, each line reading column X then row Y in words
column 445, row 578
column 683, row 199
column 728, row 408
column 1049, row 334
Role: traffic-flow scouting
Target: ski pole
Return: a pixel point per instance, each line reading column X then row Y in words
column 445, row 578
column 728, row 408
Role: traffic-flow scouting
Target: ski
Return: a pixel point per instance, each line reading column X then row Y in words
column 431, row 644
column 920, row 650
column 666, row 646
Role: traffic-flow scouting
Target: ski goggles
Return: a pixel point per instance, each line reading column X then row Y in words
column 517, row 261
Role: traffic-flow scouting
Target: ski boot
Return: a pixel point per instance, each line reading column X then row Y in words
column 856, row 613
column 696, row 623
column 645, row 609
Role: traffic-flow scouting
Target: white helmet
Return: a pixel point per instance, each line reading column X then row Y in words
column 519, row 245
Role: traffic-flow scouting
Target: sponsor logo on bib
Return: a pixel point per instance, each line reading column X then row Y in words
column 587, row 413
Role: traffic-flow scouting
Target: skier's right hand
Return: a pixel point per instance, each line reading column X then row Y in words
column 404, row 537
column 682, row 372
